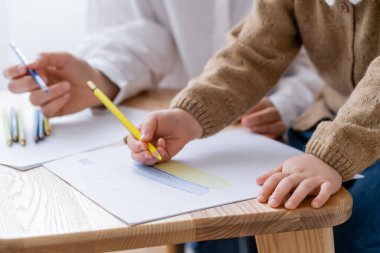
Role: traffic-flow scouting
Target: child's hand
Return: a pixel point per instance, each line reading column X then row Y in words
column 264, row 119
column 66, row 77
column 299, row 177
column 169, row 130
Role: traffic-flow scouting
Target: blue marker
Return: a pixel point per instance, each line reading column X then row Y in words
column 14, row 125
column 36, row 125
column 32, row 72
column 41, row 132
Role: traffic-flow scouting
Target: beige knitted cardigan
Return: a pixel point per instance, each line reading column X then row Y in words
column 343, row 42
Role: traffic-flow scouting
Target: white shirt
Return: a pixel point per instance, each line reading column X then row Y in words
column 332, row 2
column 145, row 44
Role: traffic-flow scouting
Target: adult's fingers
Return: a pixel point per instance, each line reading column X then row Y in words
column 23, row 84
column 40, row 97
column 58, row 60
column 262, row 117
column 15, row 71
column 263, row 103
column 54, row 107
column 275, row 129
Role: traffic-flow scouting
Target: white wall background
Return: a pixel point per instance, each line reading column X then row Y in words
column 39, row 26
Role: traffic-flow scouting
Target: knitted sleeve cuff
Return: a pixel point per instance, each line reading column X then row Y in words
column 327, row 148
column 199, row 112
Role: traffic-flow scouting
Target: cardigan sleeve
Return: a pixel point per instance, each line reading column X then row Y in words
column 239, row 75
column 351, row 142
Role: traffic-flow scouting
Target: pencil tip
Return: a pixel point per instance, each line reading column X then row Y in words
column 157, row 155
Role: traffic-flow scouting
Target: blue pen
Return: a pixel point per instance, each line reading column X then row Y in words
column 41, row 132
column 14, row 125
column 32, row 72
column 36, row 125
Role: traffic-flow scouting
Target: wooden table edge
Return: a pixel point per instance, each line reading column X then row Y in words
column 196, row 228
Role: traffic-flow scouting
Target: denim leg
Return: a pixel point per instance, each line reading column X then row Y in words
column 232, row 245
column 361, row 233
column 298, row 140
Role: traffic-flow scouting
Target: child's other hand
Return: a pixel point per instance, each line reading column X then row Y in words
column 264, row 119
column 169, row 130
column 66, row 76
column 297, row 178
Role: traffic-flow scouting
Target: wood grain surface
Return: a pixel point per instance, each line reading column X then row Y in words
column 41, row 213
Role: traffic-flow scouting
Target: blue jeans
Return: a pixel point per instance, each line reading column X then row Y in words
column 361, row 233
column 232, row 245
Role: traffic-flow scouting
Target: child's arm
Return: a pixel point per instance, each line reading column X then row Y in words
column 237, row 77
column 346, row 145
column 351, row 142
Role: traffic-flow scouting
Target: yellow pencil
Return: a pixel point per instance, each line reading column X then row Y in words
column 47, row 127
column 7, row 128
column 121, row 117
column 21, row 135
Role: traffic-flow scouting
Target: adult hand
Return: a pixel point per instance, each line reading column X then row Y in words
column 66, row 77
column 264, row 119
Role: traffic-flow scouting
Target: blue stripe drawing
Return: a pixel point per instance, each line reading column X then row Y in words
column 169, row 180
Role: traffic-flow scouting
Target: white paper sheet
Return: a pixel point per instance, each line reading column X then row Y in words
column 107, row 176
column 72, row 134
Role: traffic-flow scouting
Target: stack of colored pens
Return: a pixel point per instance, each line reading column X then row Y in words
column 13, row 127
column 42, row 127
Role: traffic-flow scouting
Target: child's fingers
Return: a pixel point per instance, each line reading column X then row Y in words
column 161, row 148
column 269, row 186
column 40, row 97
column 136, row 146
column 324, row 194
column 161, row 143
column 306, row 187
column 149, row 127
column 164, row 154
column 283, row 188
column 144, row 157
column 260, row 180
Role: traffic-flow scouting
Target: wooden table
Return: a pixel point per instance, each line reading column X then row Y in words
column 41, row 213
